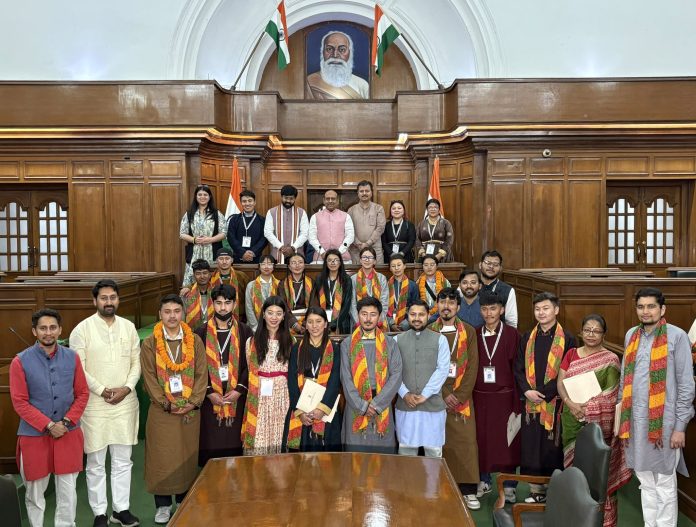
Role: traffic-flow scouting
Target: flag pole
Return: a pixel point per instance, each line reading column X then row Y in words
column 248, row 60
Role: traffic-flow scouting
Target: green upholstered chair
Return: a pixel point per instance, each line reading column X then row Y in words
column 9, row 503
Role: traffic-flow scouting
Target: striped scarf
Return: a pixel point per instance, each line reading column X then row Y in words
column 397, row 306
column 318, row 427
column 461, row 358
column 337, row 299
column 185, row 368
column 546, row 409
column 194, row 315
column 212, row 355
column 217, row 280
column 361, row 285
column 289, row 290
column 361, row 378
column 257, row 297
column 251, row 410
column 658, row 379
column 440, row 284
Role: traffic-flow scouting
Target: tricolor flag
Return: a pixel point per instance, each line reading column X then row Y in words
column 383, row 35
column 434, row 190
column 234, row 206
column 277, row 28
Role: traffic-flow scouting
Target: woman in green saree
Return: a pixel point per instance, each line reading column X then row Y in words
column 600, row 409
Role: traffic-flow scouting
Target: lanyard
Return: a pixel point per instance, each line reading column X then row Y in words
column 247, row 227
column 497, row 281
column 299, row 291
column 397, row 231
column 224, row 345
column 331, row 293
column 315, row 369
column 169, row 351
column 495, row 347
column 431, row 229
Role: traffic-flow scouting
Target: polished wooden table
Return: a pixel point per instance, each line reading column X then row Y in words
column 324, row 490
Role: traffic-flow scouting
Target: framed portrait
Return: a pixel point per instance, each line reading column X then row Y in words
column 337, row 62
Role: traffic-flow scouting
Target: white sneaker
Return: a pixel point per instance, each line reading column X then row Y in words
column 163, row 514
column 483, row 488
column 471, row 502
column 510, row 496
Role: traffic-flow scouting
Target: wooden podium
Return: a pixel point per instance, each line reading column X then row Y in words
column 324, row 489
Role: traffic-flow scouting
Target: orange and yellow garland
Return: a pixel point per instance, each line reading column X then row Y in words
column 440, row 283
column 461, row 359
column 164, row 365
column 361, row 285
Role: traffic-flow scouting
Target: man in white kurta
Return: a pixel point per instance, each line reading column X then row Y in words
column 109, row 348
column 421, row 413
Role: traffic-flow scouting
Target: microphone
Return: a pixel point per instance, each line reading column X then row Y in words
column 13, row 330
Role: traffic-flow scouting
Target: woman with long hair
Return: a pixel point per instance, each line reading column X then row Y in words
column 259, row 289
column 399, row 235
column 434, row 235
column 368, row 282
column 268, row 353
column 296, row 290
column 203, row 228
column 318, row 360
column 333, row 291
column 430, row 283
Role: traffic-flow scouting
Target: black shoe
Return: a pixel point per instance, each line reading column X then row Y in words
column 101, row 521
column 125, row 518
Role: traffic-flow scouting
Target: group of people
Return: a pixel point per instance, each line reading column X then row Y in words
column 398, row 366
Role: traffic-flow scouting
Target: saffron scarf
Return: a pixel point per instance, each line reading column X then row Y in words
column 658, row 379
column 217, row 280
column 361, row 378
column 289, row 290
column 318, row 427
column 397, row 306
column 440, row 283
column 361, row 285
column 251, row 410
column 546, row 409
column 194, row 315
column 257, row 297
column 337, row 299
column 212, row 355
column 461, row 359
column 164, row 365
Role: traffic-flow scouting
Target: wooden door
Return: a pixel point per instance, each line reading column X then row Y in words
column 646, row 226
column 33, row 231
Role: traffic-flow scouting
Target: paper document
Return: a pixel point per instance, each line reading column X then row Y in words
column 513, row 426
column 329, row 418
column 617, row 418
column 581, row 388
column 312, row 393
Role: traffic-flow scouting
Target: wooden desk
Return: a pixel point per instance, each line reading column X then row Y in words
column 318, row 489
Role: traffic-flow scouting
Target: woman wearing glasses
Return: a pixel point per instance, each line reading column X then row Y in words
column 593, row 357
column 296, row 289
column 203, row 227
column 434, row 236
column 368, row 282
column 333, row 291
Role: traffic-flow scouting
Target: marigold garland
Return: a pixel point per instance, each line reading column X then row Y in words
column 187, row 347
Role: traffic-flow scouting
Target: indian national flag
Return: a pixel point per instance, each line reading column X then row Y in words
column 434, row 190
column 234, row 206
column 277, row 28
column 383, row 35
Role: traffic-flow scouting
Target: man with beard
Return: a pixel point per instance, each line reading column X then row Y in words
column 335, row 80
column 470, row 308
column 460, row 448
column 491, row 267
column 286, row 227
column 420, row 410
column 245, row 230
column 228, row 375
column 368, row 222
column 109, row 348
column 331, row 228
column 197, row 302
column 49, row 393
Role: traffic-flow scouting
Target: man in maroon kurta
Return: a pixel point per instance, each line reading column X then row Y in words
column 49, row 393
column 495, row 395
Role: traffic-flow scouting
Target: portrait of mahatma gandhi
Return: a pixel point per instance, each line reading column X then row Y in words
column 335, row 78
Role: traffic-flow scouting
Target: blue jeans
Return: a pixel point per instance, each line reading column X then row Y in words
column 486, row 477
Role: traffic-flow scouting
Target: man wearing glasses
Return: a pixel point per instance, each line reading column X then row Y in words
column 491, row 267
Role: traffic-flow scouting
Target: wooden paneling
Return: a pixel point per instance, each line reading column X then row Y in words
column 9, row 170
column 45, row 170
column 508, row 236
column 585, row 212
column 128, row 251
column 87, row 215
column 127, row 169
column 394, row 177
column 163, row 217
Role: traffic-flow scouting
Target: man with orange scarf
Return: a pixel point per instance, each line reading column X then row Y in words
column 460, row 449
column 371, row 377
column 657, row 393
column 198, row 306
column 175, row 377
column 228, row 375
column 536, row 370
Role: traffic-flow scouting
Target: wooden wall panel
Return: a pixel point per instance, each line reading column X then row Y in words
column 508, row 235
column 584, row 234
column 162, row 218
column 9, row 171
column 547, row 238
column 88, row 225
column 128, row 249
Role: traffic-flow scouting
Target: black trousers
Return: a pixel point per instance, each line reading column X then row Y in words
column 166, row 501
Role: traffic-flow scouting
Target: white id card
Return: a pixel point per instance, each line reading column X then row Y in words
column 452, row 370
column 224, row 373
column 246, row 241
column 489, row 374
column 266, row 387
column 395, row 247
column 329, row 314
column 175, row 384
column 430, row 248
